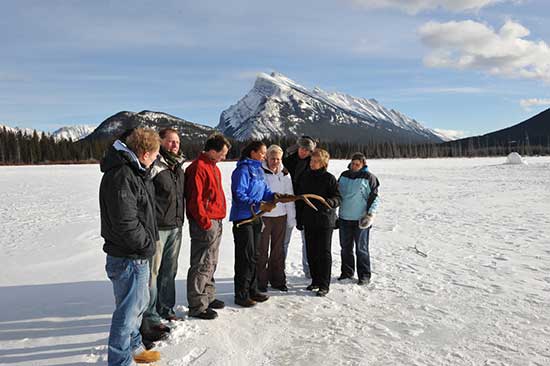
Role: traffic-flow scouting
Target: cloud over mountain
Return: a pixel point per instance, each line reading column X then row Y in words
column 473, row 45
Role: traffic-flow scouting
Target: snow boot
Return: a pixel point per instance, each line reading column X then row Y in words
column 147, row 357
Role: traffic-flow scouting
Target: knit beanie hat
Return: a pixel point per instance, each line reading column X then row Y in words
column 307, row 143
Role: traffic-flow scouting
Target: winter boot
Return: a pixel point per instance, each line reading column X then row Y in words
column 147, row 357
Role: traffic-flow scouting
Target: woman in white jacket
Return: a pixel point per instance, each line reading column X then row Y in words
column 270, row 264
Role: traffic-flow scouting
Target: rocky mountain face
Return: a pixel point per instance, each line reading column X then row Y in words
column 278, row 106
column 122, row 121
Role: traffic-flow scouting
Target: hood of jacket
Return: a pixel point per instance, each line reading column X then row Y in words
column 250, row 163
column 120, row 154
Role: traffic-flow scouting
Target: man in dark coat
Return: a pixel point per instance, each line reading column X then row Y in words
column 128, row 225
column 297, row 163
column 168, row 178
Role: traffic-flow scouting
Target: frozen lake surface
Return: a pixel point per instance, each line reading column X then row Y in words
column 480, row 297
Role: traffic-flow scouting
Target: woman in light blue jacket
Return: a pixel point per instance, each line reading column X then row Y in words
column 359, row 190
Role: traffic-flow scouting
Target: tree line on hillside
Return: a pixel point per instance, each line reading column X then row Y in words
column 18, row 148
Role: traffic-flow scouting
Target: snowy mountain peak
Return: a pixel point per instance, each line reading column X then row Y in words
column 279, row 106
column 73, row 133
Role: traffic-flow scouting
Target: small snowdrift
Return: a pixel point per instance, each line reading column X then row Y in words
column 515, row 159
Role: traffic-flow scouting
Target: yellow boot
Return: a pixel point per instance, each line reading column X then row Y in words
column 147, row 357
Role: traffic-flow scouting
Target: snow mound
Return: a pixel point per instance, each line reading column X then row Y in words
column 515, row 159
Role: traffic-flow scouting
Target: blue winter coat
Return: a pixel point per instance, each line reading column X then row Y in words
column 359, row 192
column 248, row 187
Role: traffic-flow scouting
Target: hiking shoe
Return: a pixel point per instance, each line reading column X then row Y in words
column 245, row 303
column 322, row 292
column 312, row 287
column 147, row 356
column 280, row 288
column 363, row 281
column 173, row 318
column 154, row 335
column 162, row 328
column 344, row 277
column 262, row 289
column 147, row 344
column 208, row 314
column 216, row 304
column 259, row 297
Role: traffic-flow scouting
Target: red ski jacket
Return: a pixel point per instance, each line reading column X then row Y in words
column 204, row 192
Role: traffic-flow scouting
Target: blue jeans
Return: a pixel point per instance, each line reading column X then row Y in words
column 162, row 287
column 350, row 234
column 130, row 280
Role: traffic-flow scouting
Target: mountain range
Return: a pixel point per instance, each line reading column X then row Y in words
column 533, row 131
column 277, row 106
column 74, row 133
column 122, row 121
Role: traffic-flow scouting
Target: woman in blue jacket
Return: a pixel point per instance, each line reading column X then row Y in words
column 249, row 191
column 359, row 189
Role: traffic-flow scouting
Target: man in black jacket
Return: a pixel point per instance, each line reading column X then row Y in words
column 297, row 163
column 168, row 179
column 128, row 225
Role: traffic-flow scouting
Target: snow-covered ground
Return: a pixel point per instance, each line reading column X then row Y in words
column 480, row 297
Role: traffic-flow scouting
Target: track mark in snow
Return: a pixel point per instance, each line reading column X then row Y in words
column 191, row 357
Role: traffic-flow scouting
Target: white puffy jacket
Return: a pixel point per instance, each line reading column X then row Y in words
column 281, row 183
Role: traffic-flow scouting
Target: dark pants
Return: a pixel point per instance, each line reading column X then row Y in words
column 247, row 239
column 350, row 233
column 270, row 265
column 319, row 257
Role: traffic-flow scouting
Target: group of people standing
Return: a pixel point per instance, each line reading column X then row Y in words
column 145, row 193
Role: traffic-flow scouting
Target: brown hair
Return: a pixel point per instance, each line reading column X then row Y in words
column 143, row 140
column 166, row 131
column 216, row 142
column 323, row 154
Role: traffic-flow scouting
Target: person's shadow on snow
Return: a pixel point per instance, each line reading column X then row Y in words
column 82, row 309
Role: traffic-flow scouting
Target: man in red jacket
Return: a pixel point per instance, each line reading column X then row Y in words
column 205, row 211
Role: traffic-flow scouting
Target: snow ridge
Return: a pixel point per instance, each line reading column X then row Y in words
column 73, row 133
column 278, row 106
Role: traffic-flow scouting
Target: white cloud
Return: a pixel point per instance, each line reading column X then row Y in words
column 416, row 6
column 450, row 134
column 472, row 45
column 534, row 102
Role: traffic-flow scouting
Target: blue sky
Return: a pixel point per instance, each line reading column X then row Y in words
column 472, row 66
